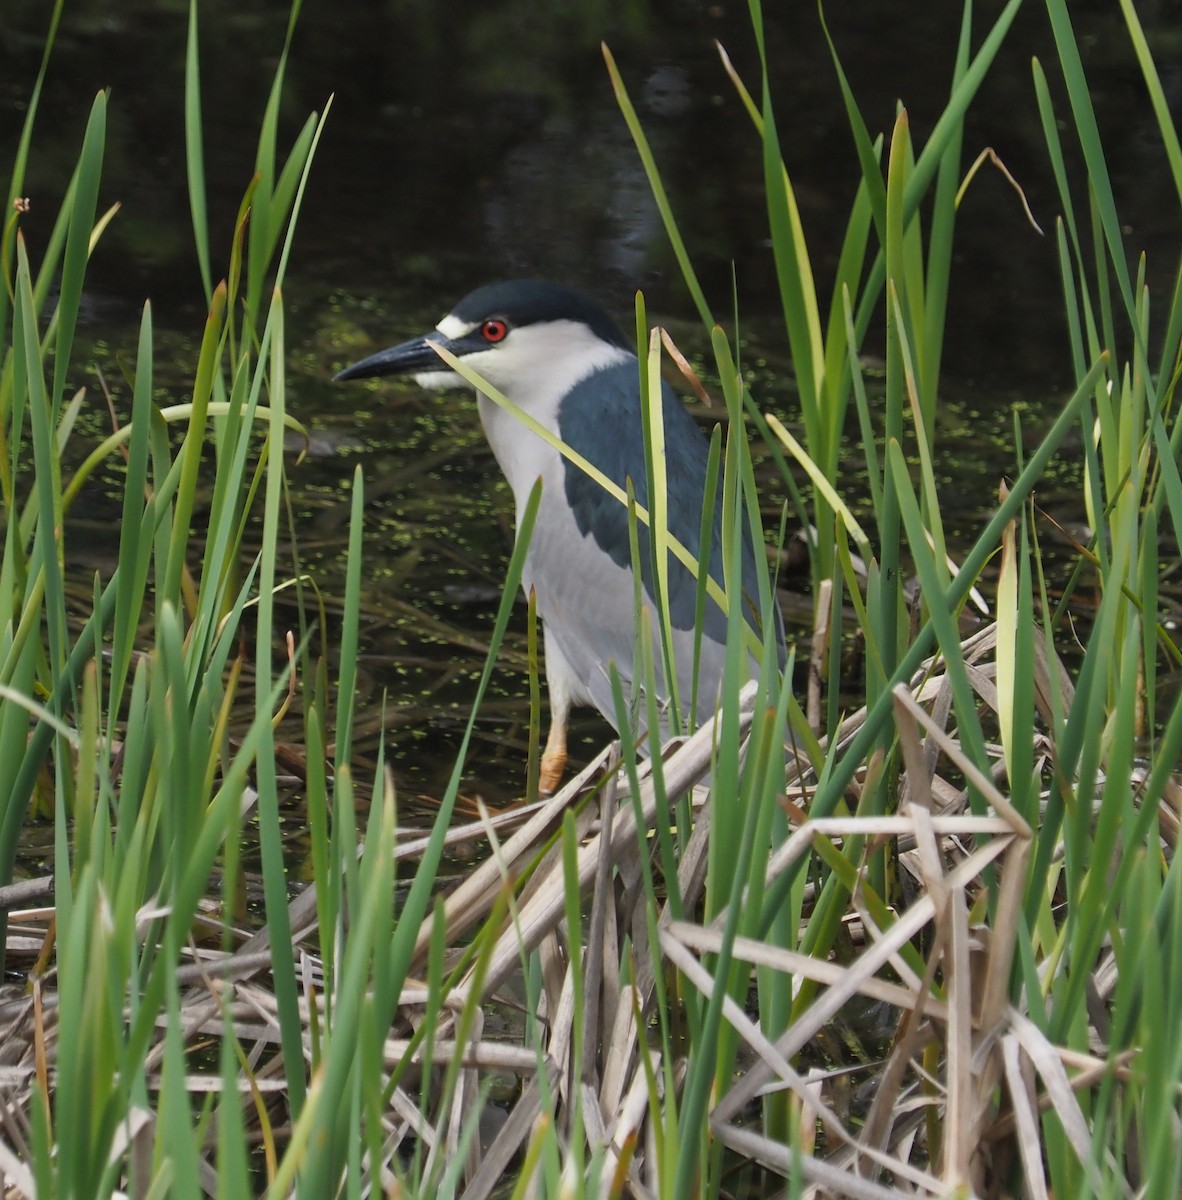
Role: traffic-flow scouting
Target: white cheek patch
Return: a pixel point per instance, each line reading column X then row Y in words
column 453, row 327
column 437, row 380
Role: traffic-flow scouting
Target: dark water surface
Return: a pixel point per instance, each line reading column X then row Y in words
column 469, row 142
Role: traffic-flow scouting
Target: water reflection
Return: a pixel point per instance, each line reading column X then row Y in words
column 470, row 142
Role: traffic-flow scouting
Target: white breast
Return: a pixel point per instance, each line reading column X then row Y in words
column 584, row 598
column 535, row 367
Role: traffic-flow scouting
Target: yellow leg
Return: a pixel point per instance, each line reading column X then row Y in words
column 553, row 757
column 560, row 684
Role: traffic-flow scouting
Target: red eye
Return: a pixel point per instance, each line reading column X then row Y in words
column 494, row 330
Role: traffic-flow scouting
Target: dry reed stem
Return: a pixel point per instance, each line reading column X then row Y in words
column 962, row 1084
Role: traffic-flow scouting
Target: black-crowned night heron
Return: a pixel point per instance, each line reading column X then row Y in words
column 566, row 363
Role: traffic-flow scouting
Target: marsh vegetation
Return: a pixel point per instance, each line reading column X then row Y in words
column 906, row 920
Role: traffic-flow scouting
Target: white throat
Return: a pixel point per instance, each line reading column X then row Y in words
column 535, row 367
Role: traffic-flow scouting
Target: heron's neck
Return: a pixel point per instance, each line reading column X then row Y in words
column 521, row 453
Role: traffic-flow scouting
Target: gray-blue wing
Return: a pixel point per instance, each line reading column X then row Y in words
column 592, row 619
